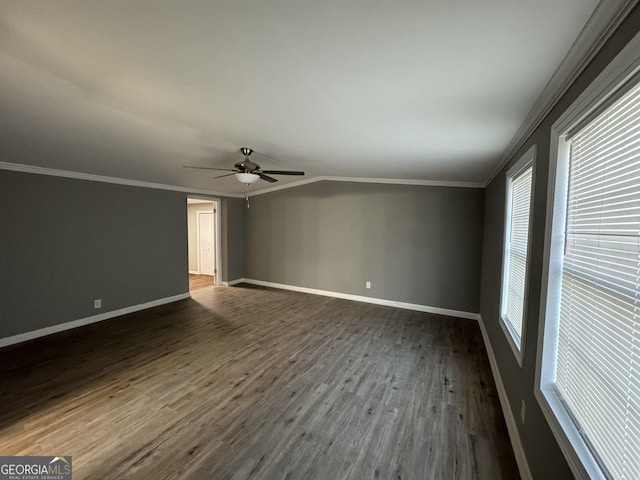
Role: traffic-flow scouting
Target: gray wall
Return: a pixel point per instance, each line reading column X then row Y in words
column 416, row 244
column 544, row 456
column 233, row 238
column 65, row 242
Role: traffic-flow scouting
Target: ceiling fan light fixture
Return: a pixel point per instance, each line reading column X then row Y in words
column 247, row 178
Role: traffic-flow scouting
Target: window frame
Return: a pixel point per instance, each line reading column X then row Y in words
column 616, row 78
column 526, row 161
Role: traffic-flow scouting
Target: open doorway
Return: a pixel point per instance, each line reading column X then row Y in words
column 203, row 242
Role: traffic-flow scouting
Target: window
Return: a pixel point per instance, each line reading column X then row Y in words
column 516, row 250
column 589, row 364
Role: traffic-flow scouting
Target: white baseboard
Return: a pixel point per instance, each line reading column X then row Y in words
column 231, row 283
column 514, row 435
column 359, row 298
column 23, row 337
column 194, row 272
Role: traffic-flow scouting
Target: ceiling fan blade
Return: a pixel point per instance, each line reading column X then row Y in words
column 282, row 172
column 267, row 178
column 222, row 176
column 246, row 165
column 211, row 168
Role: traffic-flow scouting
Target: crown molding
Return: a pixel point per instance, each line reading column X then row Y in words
column 606, row 18
column 404, row 181
column 53, row 172
column 392, row 181
column 18, row 167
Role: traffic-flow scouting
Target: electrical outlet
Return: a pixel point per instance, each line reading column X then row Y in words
column 367, row 284
column 522, row 410
column 97, row 303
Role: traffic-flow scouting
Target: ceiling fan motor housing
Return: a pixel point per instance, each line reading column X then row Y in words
column 247, row 165
column 248, row 172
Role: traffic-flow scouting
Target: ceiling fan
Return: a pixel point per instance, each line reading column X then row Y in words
column 248, row 172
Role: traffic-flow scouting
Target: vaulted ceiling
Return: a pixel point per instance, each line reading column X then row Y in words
column 419, row 90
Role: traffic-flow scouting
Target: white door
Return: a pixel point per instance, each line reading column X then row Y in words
column 206, row 240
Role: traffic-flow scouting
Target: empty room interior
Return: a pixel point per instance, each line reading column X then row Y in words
column 320, row 240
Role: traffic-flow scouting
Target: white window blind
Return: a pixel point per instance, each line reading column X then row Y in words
column 516, row 248
column 597, row 371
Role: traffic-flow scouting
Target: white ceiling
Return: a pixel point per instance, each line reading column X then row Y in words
column 421, row 90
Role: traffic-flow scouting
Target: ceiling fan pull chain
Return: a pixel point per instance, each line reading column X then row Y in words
column 247, row 199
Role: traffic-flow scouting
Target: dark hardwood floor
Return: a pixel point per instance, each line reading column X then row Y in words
column 254, row 383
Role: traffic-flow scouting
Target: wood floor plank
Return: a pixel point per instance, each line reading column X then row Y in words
column 255, row 383
column 196, row 282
